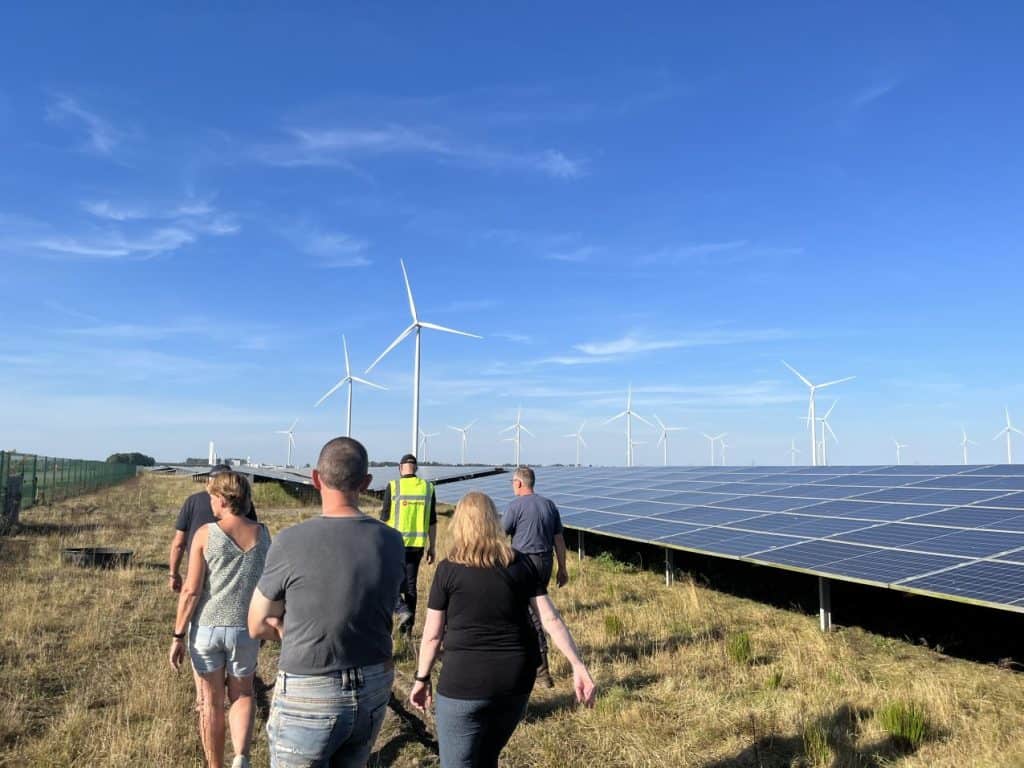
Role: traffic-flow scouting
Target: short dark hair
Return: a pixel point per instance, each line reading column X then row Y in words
column 343, row 464
column 526, row 476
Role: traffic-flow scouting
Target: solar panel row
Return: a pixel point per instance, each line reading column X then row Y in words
column 956, row 532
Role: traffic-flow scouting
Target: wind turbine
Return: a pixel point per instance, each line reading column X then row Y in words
column 416, row 326
column 793, row 452
column 630, row 415
column 965, row 442
column 517, row 427
column 464, row 431
column 899, row 447
column 291, row 439
column 713, row 440
column 810, row 407
column 633, row 444
column 1006, row 431
column 825, row 425
column 722, row 443
column 663, row 438
column 349, row 379
column 578, row 436
column 425, row 444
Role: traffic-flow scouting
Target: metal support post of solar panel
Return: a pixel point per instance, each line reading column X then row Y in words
column 952, row 532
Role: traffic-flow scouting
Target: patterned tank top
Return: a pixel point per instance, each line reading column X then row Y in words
column 231, row 577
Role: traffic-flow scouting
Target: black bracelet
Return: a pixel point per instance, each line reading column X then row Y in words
column 178, row 635
column 424, row 679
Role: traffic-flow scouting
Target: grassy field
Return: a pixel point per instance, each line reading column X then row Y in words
column 687, row 676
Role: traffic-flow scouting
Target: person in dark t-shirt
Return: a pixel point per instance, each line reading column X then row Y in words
column 195, row 513
column 478, row 603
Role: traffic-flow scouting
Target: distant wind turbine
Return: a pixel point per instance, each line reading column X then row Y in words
column 824, row 439
column 793, row 452
column 712, row 440
column 516, row 429
column 810, row 407
column 630, row 414
column 633, row 444
column 291, row 440
column 349, row 379
column 464, row 432
column 578, row 437
column 899, row 447
column 965, row 442
column 663, row 438
column 723, row 446
column 425, row 444
column 1006, row 431
column 416, row 326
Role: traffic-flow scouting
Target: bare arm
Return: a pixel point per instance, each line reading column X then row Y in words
column 562, row 638
column 189, row 596
column 265, row 617
column 562, row 577
column 174, row 559
column 431, row 542
column 433, row 631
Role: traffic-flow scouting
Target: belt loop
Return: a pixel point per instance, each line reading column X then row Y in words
column 284, row 683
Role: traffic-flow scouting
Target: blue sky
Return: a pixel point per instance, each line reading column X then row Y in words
column 195, row 206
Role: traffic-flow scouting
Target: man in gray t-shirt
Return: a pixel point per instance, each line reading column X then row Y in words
column 327, row 592
column 535, row 526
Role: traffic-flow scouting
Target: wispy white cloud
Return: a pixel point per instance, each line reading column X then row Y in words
column 339, row 146
column 872, row 93
column 691, row 251
column 573, row 256
column 137, row 331
column 331, row 249
column 114, row 245
column 103, row 137
column 517, row 338
column 104, row 209
column 633, row 344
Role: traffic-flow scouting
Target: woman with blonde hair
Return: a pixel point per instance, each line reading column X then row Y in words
column 225, row 562
column 478, row 604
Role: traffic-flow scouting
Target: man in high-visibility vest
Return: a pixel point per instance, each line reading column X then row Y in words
column 411, row 508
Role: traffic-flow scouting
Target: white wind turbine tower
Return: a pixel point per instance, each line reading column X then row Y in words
column 633, row 444
column 811, row 420
column 713, row 439
column 793, row 452
column 416, row 326
column 724, row 445
column 578, row 436
column 965, row 442
column 464, row 432
column 351, row 380
column 899, row 447
column 1006, row 431
column 517, row 428
column 630, row 415
column 425, row 444
column 212, row 458
column 824, row 440
column 663, row 438
column 291, row 439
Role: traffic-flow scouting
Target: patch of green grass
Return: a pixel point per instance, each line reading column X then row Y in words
column 606, row 561
column 905, row 721
column 612, row 699
column 614, row 627
column 739, row 648
column 774, row 681
column 817, row 750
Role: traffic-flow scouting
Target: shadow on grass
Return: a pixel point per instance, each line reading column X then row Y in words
column 565, row 700
column 413, row 730
column 54, row 529
column 636, row 647
column 829, row 740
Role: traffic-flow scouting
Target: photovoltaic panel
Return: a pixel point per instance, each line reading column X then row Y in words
column 932, row 529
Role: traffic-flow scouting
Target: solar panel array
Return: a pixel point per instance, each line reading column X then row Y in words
column 955, row 532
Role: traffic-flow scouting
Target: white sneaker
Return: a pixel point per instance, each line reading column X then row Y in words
column 240, row 761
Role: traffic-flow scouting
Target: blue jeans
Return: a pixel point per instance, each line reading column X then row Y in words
column 328, row 721
column 472, row 732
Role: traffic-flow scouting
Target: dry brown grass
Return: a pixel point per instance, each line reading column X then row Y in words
column 84, row 679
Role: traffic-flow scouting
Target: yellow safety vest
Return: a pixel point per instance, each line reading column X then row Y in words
column 409, row 498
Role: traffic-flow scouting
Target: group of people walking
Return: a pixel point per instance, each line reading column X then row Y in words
column 329, row 589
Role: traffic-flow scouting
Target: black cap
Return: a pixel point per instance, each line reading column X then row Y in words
column 219, row 469
column 408, row 459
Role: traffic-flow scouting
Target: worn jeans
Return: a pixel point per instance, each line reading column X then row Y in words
column 328, row 721
column 472, row 732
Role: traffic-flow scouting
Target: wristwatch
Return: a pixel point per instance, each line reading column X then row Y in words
column 424, row 679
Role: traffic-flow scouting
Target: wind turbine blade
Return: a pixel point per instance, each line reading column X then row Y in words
column 1014, row 429
column 829, row 428
column 831, row 407
column 707, row 436
column 572, row 435
column 506, row 429
column 344, row 344
column 798, row 374
column 332, row 390
column 293, row 424
column 408, row 290
column 468, row 426
column 526, row 431
column 402, row 336
column 661, row 438
column 582, row 425
column 583, row 441
column 835, row 381
column 455, row 428
column 435, row 327
column 660, row 424
column 367, row 383
column 1000, row 433
column 645, row 421
column 617, row 416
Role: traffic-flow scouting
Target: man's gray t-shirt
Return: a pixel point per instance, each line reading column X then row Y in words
column 533, row 522
column 339, row 579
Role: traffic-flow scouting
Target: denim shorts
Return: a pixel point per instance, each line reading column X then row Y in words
column 213, row 648
column 328, row 721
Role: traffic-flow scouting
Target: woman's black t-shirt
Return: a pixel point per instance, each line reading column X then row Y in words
column 490, row 645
